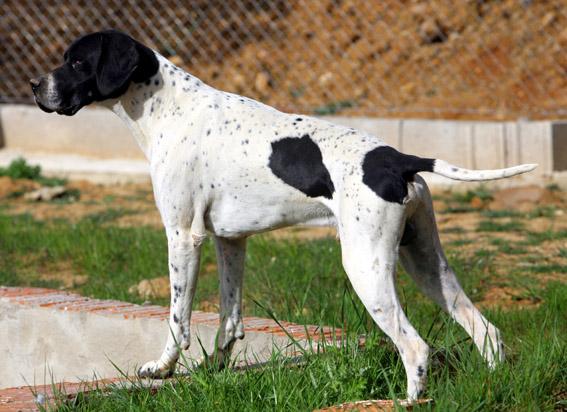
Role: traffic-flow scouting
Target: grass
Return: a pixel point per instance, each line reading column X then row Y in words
column 497, row 226
column 533, row 378
column 303, row 282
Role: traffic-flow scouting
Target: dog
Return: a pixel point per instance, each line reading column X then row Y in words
column 230, row 166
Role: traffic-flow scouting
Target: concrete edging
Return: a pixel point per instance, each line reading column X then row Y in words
column 54, row 336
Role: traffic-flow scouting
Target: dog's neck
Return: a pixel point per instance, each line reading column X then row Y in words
column 149, row 107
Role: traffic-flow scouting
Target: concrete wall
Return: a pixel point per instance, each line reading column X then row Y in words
column 96, row 132
column 93, row 132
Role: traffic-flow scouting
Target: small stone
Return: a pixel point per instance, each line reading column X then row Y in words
column 151, row 288
column 547, row 19
column 262, row 82
column 431, row 31
column 45, row 193
column 177, row 60
column 524, row 198
column 325, row 78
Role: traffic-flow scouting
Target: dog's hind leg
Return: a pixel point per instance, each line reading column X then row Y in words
column 370, row 252
column 423, row 258
column 184, row 248
column 231, row 254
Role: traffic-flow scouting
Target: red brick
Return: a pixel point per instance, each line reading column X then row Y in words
column 94, row 305
column 202, row 317
column 8, row 292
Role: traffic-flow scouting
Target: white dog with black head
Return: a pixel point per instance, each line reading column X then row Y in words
column 230, row 166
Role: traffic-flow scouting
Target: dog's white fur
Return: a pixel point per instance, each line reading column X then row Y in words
column 209, row 152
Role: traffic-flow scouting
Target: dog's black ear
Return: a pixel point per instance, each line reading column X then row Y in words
column 118, row 59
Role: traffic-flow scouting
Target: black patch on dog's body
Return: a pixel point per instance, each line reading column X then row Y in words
column 299, row 163
column 387, row 172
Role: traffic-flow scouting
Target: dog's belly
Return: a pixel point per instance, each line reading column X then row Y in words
column 242, row 218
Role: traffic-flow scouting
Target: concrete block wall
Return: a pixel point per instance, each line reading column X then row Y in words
column 96, row 132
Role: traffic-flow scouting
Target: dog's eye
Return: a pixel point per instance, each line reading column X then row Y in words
column 76, row 64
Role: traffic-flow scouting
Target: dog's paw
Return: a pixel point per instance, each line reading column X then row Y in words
column 155, row 370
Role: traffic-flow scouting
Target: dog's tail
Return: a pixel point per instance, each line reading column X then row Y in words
column 443, row 168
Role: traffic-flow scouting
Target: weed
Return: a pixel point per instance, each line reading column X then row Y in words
column 536, row 238
column 505, row 246
column 543, row 211
column 493, row 226
column 108, row 215
column 297, row 92
column 453, row 229
column 458, row 209
column 547, row 268
column 501, row 214
column 553, row 187
column 333, row 107
column 460, row 242
column 481, row 192
column 20, row 169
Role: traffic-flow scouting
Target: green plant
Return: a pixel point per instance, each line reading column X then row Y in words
column 20, row 169
column 481, row 192
column 333, row 107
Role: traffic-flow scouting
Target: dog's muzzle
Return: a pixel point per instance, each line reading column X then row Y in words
column 39, row 87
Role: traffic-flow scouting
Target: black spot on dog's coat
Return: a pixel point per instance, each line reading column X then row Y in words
column 420, row 371
column 387, row 172
column 299, row 163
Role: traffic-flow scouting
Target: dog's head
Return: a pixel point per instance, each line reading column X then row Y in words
column 96, row 67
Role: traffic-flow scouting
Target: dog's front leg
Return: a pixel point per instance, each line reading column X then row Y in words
column 184, row 255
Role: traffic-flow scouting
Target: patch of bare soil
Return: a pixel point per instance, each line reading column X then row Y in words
column 506, row 298
column 94, row 199
column 375, row 405
column 61, row 272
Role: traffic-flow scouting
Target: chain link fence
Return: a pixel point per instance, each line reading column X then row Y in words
column 453, row 59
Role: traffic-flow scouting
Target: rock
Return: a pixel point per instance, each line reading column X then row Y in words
column 562, row 37
column 239, row 80
column 325, row 78
column 45, row 193
column 262, row 82
column 431, row 31
column 547, row 19
column 419, row 9
column 408, row 88
column 523, row 198
column 177, row 60
column 151, row 288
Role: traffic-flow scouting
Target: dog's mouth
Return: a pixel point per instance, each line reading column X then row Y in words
column 43, row 107
column 67, row 111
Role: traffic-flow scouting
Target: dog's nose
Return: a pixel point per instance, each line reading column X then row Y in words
column 35, row 83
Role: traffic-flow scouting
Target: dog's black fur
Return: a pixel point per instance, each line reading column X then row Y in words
column 97, row 67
